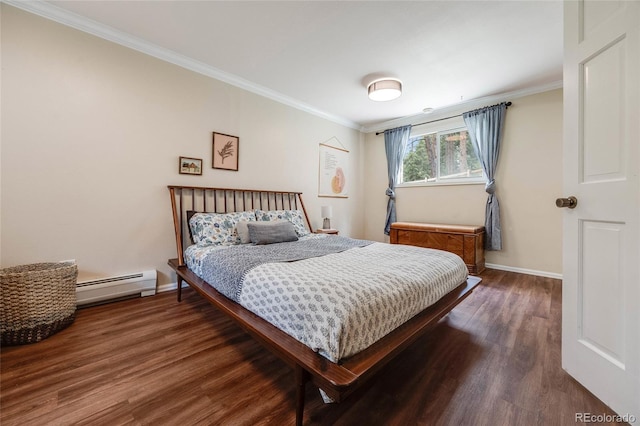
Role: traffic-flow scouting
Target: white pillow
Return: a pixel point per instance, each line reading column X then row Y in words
column 243, row 231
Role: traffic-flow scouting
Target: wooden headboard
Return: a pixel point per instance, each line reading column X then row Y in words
column 225, row 200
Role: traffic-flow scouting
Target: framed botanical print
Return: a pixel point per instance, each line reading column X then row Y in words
column 225, row 151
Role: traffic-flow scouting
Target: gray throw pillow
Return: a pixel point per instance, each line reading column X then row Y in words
column 275, row 231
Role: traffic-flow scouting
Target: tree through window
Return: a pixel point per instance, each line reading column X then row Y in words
column 442, row 156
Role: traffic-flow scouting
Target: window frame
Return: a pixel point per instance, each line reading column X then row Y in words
column 450, row 126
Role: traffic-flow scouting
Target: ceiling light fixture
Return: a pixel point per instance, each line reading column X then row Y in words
column 385, row 89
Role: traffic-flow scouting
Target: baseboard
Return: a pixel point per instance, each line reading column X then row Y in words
column 169, row 287
column 524, row 271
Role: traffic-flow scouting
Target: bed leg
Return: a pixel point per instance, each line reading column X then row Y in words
column 301, row 381
column 179, row 289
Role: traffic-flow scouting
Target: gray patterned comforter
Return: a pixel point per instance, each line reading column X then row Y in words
column 227, row 268
column 340, row 303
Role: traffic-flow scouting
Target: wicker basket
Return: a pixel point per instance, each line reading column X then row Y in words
column 36, row 301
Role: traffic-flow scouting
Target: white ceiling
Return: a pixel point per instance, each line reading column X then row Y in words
column 320, row 55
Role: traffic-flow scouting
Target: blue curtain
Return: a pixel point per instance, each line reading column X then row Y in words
column 485, row 128
column 395, row 144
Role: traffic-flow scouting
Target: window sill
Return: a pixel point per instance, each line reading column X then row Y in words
column 445, row 183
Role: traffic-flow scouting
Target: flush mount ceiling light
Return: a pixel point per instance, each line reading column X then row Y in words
column 385, row 89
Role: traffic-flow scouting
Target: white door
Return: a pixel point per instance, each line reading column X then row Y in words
column 601, row 235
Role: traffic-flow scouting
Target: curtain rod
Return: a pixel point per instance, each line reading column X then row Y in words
column 445, row 118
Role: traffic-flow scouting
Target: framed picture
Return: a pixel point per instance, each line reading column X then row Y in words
column 190, row 166
column 333, row 172
column 225, row 151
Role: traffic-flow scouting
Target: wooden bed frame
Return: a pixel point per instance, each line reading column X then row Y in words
column 337, row 380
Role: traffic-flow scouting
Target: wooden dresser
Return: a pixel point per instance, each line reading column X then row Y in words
column 463, row 240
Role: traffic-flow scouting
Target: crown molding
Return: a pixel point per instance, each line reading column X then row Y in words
column 461, row 107
column 73, row 20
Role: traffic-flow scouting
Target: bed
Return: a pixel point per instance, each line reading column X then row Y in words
column 337, row 314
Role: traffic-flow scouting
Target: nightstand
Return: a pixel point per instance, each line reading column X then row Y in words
column 327, row 231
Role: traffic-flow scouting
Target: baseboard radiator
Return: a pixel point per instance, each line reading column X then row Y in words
column 113, row 288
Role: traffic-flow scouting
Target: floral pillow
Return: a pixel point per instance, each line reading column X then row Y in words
column 217, row 228
column 296, row 217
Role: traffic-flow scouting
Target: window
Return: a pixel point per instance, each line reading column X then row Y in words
column 442, row 157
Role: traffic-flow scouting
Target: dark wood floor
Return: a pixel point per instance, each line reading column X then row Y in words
column 495, row 360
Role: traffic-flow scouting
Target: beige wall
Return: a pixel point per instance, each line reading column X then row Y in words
column 529, row 179
column 91, row 134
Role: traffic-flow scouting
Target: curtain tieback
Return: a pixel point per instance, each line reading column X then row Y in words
column 390, row 193
column 490, row 186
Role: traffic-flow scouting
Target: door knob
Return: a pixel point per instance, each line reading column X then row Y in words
column 570, row 202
